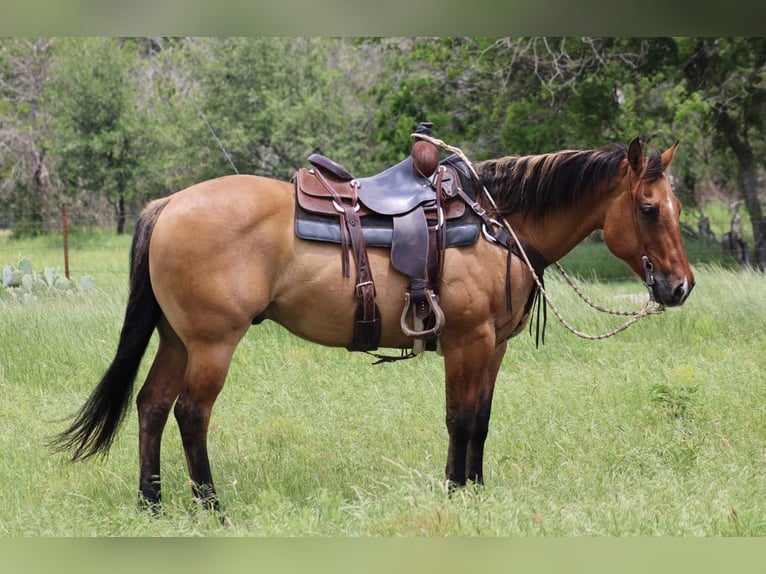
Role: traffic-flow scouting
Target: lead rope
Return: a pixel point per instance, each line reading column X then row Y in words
column 649, row 308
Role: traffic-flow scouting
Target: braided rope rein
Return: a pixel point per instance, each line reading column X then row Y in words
column 650, row 307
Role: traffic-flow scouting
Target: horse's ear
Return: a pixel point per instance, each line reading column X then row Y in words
column 667, row 155
column 636, row 155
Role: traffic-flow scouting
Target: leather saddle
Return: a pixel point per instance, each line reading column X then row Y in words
column 413, row 208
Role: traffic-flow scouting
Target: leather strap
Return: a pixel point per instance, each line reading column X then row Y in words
column 367, row 316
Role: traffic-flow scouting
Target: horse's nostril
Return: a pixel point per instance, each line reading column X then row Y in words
column 681, row 291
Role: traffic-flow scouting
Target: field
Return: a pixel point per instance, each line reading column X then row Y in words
column 658, row 431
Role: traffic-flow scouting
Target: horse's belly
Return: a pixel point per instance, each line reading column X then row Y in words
column 315, row 301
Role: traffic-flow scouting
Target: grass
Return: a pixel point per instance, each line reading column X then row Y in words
column 658, row 431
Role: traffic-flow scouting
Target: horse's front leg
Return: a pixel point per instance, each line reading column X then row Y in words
column 471, row 364
column 480, row 428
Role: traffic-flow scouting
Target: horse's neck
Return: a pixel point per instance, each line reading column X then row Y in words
column 558, row 233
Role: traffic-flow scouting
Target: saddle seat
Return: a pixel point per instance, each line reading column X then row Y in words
column 391, row 192
column 397, row 190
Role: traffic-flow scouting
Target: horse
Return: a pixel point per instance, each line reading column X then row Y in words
column 211, row 260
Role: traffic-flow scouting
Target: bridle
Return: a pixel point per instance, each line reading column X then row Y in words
column 646, row 263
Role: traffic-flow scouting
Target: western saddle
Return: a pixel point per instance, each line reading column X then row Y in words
column 405, row 208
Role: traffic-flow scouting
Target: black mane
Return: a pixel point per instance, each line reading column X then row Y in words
column 541, row 184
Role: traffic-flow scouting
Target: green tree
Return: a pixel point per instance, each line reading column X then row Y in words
column 500, row 96
column 423, row 79
column 27, row 190
column 525, row 95
column 96, row 119
column 274, row 101
column 728, row 74
column 171, row 152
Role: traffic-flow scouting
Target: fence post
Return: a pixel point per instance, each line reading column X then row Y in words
column 65, row 232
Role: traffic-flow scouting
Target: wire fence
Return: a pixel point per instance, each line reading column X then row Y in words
column 75, row 242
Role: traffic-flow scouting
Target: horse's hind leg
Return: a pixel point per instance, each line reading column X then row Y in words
column 206, row 371
column 154, row 401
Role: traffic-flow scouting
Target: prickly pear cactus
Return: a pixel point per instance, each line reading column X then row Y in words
column 22, row 283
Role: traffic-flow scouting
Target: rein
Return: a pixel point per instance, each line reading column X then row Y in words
column 649, row 308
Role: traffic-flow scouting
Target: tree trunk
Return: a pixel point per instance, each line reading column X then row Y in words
column 749, row 190
column 747, row 182
column 121, row 215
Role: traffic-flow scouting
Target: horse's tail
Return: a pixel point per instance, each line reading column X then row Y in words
column 96, row 423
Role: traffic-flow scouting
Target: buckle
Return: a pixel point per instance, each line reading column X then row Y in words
column 478, row 209
column 360, row 285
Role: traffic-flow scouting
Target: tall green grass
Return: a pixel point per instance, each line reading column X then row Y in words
column 658, row 431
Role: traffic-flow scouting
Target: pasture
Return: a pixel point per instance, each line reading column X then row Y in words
column 658, row 431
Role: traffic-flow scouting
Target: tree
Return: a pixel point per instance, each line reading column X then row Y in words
column 274, row 101
column 527, row 95
column 729, row 74
column 26, row 188
column 96, row 120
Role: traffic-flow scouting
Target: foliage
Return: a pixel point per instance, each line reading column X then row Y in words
column 728, row 74
column 113, row 122
column 96, row 121
column 677, row 401
column 28, row 184
column 275, row 101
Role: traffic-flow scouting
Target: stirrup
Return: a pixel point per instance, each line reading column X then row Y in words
column 436, row 330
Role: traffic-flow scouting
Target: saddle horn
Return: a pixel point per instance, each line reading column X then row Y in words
column 425, row 155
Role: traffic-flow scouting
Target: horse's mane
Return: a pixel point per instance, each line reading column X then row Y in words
column 540, row 184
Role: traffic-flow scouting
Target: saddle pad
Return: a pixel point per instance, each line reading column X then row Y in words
column 328, row 230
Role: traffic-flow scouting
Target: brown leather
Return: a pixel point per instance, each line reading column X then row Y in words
column 313, row 196
column 367, row 316
column 425, row 158
column 330, row 166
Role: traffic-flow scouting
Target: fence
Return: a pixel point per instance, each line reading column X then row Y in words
column 68, row 243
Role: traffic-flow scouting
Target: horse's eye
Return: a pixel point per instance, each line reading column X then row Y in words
column 650, row 212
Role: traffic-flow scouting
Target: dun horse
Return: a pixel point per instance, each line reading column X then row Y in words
column 211, row 260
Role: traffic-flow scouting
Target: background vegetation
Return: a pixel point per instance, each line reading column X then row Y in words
column 105, row 124
column 659, row 431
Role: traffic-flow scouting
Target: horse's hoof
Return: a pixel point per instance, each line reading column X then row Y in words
column 450, row 486
column 154, row 507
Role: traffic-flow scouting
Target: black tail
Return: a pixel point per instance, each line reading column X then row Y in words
column 96, row 423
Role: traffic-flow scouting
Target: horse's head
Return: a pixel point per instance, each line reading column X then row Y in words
column 642, row 226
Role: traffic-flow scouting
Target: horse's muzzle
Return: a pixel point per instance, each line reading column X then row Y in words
column 672, row 291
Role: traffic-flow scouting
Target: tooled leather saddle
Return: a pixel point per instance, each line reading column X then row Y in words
column 416, row 208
